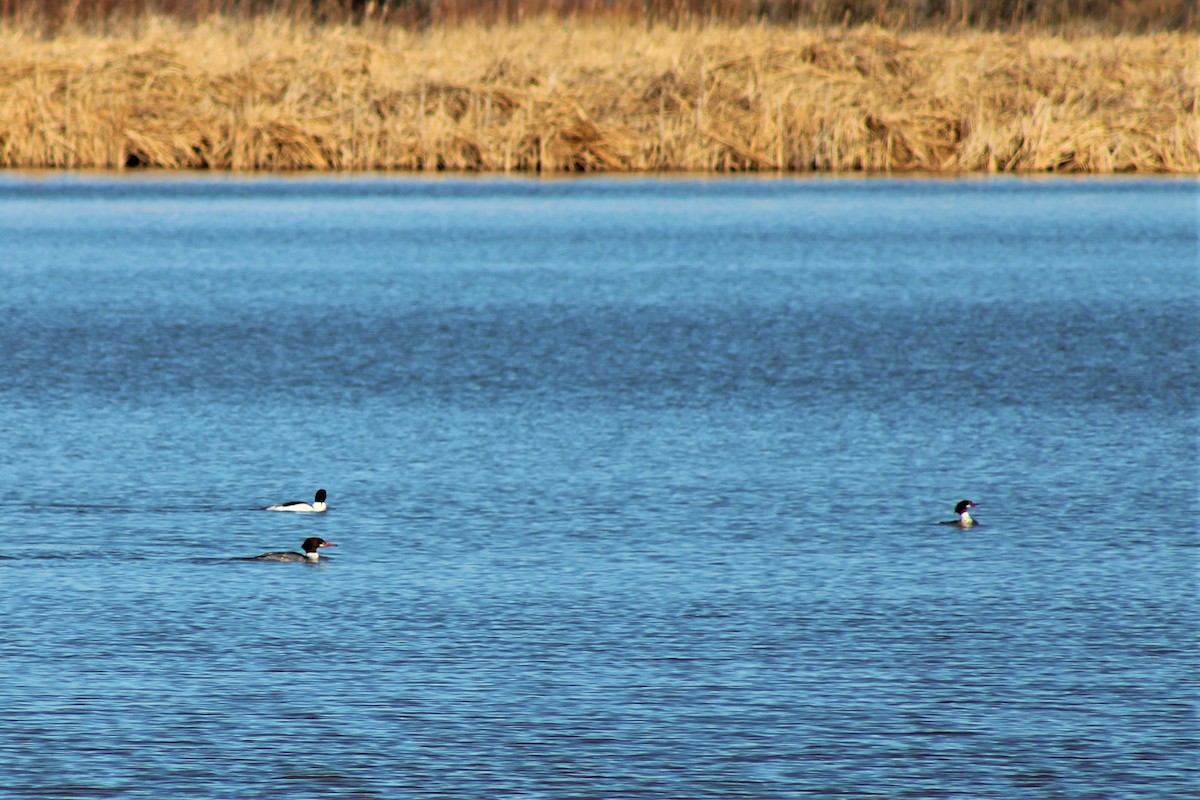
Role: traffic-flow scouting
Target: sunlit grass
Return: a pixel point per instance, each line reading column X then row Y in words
column 547, row 94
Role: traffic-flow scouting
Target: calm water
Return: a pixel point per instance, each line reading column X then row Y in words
column 634, row 484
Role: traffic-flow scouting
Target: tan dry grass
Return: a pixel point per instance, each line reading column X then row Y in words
column 552, row 95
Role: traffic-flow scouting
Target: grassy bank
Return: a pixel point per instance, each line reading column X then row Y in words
column 551, row 95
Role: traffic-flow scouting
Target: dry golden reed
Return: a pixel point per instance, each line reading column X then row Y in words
column 549, row 95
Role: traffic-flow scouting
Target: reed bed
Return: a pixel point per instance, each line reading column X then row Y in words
column 551, row 95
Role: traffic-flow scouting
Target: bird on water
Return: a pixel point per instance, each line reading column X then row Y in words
column 317, row 505
column 311, row 546
column 963, row 509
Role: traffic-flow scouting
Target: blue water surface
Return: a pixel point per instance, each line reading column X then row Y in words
column 634, row 484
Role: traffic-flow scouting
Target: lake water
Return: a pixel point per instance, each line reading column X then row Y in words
column 634, row 484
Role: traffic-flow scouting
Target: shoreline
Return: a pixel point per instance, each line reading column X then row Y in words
column 548, row 97
column 183, row 174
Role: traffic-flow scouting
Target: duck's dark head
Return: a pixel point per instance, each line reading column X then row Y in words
column 963, row 505
column 313, row 543
column 320, row 498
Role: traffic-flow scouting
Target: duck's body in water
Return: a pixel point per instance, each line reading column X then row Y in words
column 317, row 505
column 310, row 547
